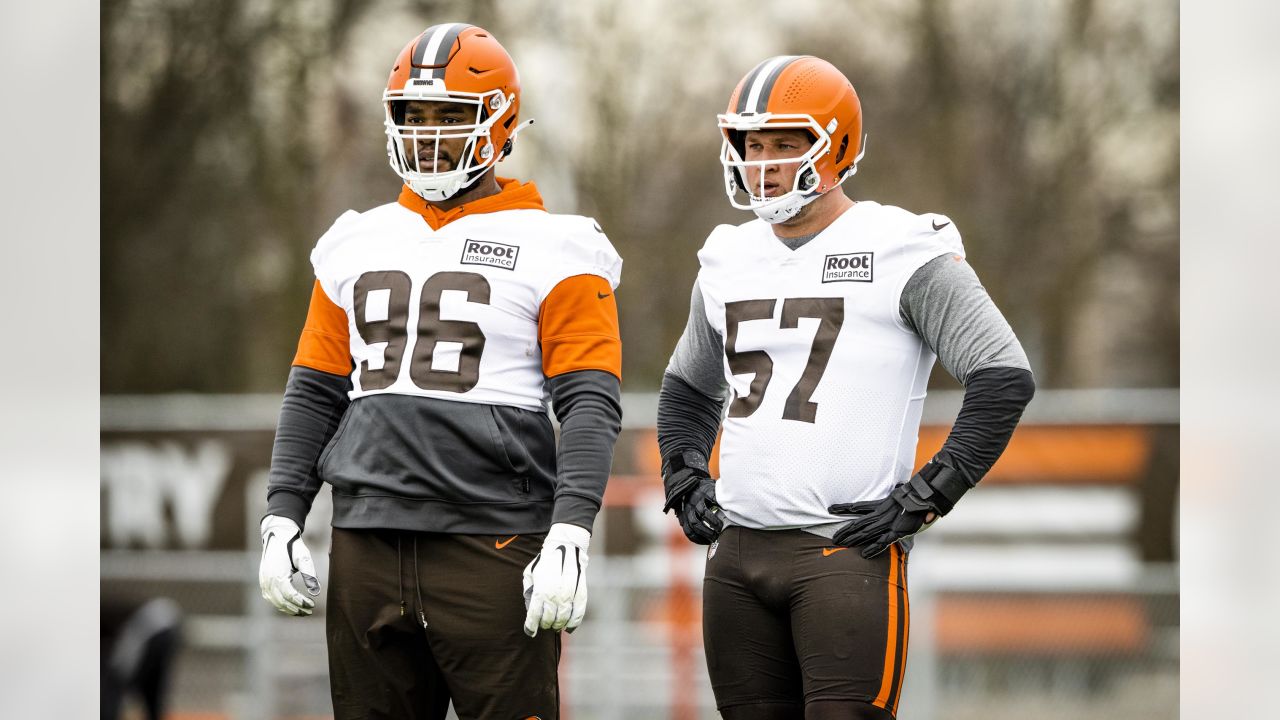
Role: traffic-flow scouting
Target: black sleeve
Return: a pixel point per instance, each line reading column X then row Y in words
column 588, row 404
column 945, row 303
column 687, row 419
column 314, row 402
column 994, row 399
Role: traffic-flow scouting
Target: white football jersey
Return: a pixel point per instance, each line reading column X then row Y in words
column 453, row 313
column 827, row 381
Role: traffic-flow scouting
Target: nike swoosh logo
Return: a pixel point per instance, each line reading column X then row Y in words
column 498, row 545
column 936, row 226
column 601, row 296
column 828, row 552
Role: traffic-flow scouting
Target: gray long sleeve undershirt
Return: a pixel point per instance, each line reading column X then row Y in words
column 589, row 405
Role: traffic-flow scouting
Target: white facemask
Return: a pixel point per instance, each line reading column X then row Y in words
column 806, row 183
column 418, row 164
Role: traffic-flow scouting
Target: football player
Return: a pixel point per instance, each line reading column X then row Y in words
column 820, row 321
column 440, row 328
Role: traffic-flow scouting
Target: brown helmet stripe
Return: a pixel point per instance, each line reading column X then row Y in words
column 766, row 87
column 755, row 93
column 434, row 45
column 747, row 83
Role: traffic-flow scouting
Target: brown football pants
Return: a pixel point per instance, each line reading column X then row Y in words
column 383, row 663
column 795, row 627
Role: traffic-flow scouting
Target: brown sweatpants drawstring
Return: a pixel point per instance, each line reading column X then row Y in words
column 417, row 584
column 400, row 573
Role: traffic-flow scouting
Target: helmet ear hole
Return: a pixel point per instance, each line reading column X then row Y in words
column 808, row 179
column 844, row 145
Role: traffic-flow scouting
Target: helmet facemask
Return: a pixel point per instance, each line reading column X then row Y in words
column 806, row 184
column 414, row 150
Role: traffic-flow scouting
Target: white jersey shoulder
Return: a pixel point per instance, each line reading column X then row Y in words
column 581, row 246
column 349, row 233
column 353, row 224
column 916, row 230
column 727, row 243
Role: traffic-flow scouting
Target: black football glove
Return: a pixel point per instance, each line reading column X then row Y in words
column 692, row 494
column 877, row 524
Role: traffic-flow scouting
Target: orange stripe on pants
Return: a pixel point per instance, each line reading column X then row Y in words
column 891, row 642
column 906, row 629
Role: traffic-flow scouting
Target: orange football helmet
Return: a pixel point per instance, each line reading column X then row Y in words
column 453, row 63
column 792, row 91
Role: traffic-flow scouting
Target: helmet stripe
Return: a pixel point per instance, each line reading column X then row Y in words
column 765, row 80
column 747, row 83
column 433, row 49
column 420, row 50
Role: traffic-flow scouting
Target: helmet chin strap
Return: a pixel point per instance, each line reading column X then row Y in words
column 437, row 193
column 784, row 209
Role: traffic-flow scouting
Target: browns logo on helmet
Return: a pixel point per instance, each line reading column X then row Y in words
column 464, row 65
column 792, row 92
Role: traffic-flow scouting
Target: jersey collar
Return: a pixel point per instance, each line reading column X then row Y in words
column 776, row 248
column 514, row 195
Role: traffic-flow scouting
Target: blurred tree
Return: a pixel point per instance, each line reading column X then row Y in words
column 1049, row 133
column 632, row 126
column 211, row 140
column 234, row 132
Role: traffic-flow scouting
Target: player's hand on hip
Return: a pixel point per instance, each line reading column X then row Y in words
column 910, row 508
column 555, row 582
column 283, row 554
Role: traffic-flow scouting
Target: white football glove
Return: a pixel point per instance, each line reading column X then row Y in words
column 555, row 583
column 283, row 554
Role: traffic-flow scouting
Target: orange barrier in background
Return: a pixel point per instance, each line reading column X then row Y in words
column 1061, row 454
column 1055, row 625
column 1037, row 454
column 1047, row 625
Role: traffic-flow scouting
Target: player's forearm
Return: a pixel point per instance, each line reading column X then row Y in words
column 314, row 402
column 588, row 404
column 687, row 419
column 994, row 399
